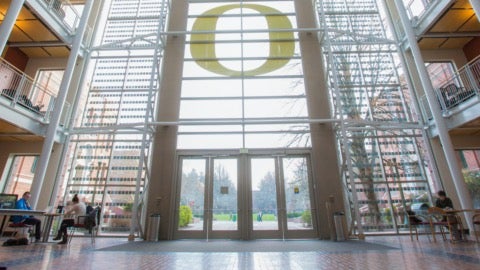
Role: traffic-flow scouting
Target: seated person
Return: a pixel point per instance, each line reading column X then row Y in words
column 446, row 203
column 443, row 201
column 78, row 209
column 26, row 219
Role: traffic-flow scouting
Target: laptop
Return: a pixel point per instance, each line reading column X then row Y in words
column 8, row 201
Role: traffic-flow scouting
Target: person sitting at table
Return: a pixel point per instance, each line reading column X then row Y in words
column 24, row 204
column 446, row 203
column 443, row 201
column 77, row 208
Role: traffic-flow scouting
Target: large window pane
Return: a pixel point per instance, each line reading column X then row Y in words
column 192, row 195
column 210, row 109
column 469, row 161
column 275, row 108
column 297, row 194
column 224, row 201
column 21, row 170
column 264, row 194
column 257, row 63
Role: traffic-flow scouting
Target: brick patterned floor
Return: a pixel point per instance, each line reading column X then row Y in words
column 407, row 254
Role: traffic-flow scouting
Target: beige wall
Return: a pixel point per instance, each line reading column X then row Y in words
column 160, row 196
column 455, row 55
column 325, row 167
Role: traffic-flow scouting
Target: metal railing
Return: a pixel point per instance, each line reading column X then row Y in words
column 24, row 95
column 462, row 88
column 65, row 11
column 416, row 8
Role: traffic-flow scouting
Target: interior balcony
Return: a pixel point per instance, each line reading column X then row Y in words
column 59, row 16
column 41, row 38
column 25, row 106
column 443, row 24
column 51, row 22
column 459, row 101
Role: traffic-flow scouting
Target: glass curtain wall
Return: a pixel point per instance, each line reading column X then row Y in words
column 242, row 78
column 469, row 159
column 243, row 88
column 111, row 141
column 379, row 137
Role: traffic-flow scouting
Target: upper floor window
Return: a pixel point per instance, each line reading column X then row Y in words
column 440, row 72
column 50, row 79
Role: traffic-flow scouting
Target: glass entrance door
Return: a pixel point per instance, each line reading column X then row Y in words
column 280, row 198
column 274, row 190
column 208, row 199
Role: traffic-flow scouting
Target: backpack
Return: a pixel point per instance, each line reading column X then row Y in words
column 16, row 242
column 91, row 219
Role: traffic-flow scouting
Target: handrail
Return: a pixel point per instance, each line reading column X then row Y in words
column 470, row 63
column 417, row 8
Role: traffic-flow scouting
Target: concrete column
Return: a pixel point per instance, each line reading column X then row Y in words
column 324, row 153
column 49, row 182
column 59, row 106
column 160, row 196
column 9, row 21
column 462, row 192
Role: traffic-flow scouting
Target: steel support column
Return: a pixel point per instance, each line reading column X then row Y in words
column 59, row 104
column 8, row 22
column 463, row 195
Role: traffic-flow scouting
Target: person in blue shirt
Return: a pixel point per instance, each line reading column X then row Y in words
column 26, row 219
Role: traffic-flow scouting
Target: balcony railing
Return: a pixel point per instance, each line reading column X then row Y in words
column 462, row 89
column 416, row 8
column 65, row 11
column 24, row 95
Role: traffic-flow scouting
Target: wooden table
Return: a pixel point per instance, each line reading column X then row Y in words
column 6, row 213
column 456, row 212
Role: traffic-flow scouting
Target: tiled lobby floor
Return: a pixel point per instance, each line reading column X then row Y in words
column 399, row 253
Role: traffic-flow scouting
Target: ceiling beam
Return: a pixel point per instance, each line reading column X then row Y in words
column 450, row 35
column 37, row 44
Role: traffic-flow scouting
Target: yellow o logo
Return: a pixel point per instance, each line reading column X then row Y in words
column 202, row 46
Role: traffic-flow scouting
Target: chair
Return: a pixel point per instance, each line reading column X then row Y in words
column 476, row 222
column 89, row 222
column 20, row 230
column 416, row 220
column 441, row 218
column 437, row 218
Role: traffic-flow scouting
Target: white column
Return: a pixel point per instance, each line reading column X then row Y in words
column 460, row 187
column 476, row 7
column 9, row 21
column 59, row 104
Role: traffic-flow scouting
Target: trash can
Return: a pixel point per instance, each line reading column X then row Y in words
column 153, row 227
column 338, row 218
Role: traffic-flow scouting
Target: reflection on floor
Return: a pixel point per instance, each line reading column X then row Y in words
column 393, row 252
